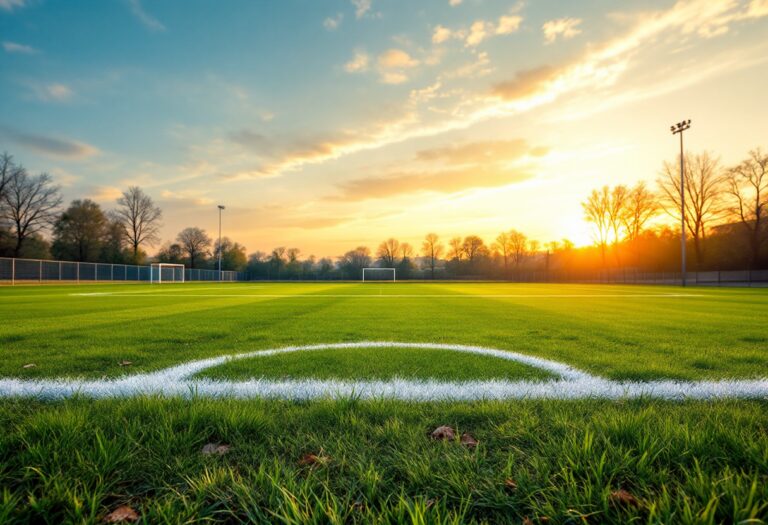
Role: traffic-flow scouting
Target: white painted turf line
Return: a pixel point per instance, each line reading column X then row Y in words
column 571, row 383
column 380, row 295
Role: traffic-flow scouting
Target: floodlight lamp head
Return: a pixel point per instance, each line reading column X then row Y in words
column 221, row 207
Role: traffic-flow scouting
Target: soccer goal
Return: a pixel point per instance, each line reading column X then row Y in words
column 166, row 273
column 379, row 274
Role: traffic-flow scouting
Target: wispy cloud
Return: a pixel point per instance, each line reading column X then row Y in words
column 149, row 21
column 332, row 23
column 358, row 63
column 51, row 146
column 362, row 7
column 10, row 5
column 21, row 49
column 393, row 64
column 562, row 27
column 53, row 92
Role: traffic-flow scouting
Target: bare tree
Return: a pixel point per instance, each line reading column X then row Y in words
column 748, row 186
column 6, row 168
column 140, row 218
column 406, row 252
column 472, row 247
column 432, row 250
column 277, row 259
column 519, row 244
column 457, row 251
column 641, row 205
column 355, row 260
column 597, row 211
column 704, row 185
column 195, row 243
column 616, row 211
column 388, row 251
column 504, row 247
column 31, row 204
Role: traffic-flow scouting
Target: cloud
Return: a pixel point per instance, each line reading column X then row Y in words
column 443, row 181
column 332, row 23
column 54, row 92
column 361, row 7
column 397, row 59
column 440, row 34
column 105, row 193
column 526, row 83
column 358, row 63
column 454, row 3
column 477, row 33
column 149, row 21
column 10, row 5
column 186, row 197
column 21, row 49
column 508, row 24
column 562, row 27
column 481, row 152
column 51, row 146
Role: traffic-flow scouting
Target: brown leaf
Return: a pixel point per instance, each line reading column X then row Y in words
column 468, row 441
column 623, row 497
column 527, row 521
column 431, row 503
column 121, row 514
column 443, row 432
column 125, row 363
column 215, row 448
column 358, row 506
column 29, row 365
column 310, row 460
column 510, row 483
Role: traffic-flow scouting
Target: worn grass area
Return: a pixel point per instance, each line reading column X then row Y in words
column 620, row 332
column 376, row 363
column 74, row 461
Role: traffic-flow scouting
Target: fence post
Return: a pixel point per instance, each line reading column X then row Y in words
column 40, row 272
column 77, row 265
column 59, row 271
column 111, row 272
column 13, row 272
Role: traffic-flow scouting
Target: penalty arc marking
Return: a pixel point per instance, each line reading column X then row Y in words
column 569, row 382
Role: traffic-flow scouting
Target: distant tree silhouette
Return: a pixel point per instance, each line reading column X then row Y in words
column 140, row 219
column 597, row 211
column 388, row 252
column 195, row 243
column 432, row 250
column 79, row 233
column 747, row 184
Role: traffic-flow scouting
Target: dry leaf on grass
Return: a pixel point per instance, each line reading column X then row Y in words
column 29, row 365
column 310, row 460
column 623, row 497
column 510, row 484
column 443, row 432
column 527, row 521
column 125, row 363
column 468, row 441
column 431, row 503
column 215, row 448
column 122, row 514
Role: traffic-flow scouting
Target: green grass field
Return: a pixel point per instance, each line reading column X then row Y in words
column 685, row 462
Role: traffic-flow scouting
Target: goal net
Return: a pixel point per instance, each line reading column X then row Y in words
column 166, row 273
column 379, row 274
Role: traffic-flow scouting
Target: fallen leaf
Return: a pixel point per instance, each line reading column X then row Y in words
column 310, row 460
column 121, row 514
column 443, row 432
column 623, row 497
column 468, row 441
column 125, row 363
column 215, row 448
column 358, row 506
column 510, row 483
column 527, row 521
column 29, row 365
column 431, row 502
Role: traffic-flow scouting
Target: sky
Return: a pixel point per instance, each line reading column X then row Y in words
column 329, row 124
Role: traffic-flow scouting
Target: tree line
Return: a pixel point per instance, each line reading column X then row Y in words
column 633, row 227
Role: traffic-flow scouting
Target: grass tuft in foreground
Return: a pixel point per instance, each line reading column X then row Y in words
column 692, row 462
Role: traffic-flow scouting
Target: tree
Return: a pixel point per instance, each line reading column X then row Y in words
column 456, row 249
column 113, row 244
column 195, row 243
column 6, row 168
column 140, row 219
column 747, row 184
column 30, row 204
column 79, row 233
column 504, row 247
column 431, row 249
column 472, row 247
column 640, row 206
column 519, row 244
column 355, row 260
column 233, row 256
column 388, row 251
column 597, row 211
column 704, row 183
column 171, row 253
column 277, row 259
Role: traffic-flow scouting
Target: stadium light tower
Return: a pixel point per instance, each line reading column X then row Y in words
column 677, row 129
column 221, row 208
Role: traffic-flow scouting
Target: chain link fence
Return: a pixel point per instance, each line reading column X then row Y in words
column 25, row 271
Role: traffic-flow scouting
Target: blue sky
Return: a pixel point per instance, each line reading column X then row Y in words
column 328, row 124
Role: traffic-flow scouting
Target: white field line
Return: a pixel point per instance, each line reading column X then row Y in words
column 569, row 384
column 379, row 296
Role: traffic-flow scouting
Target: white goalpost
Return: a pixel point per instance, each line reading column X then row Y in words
column 379, row 274
column 166, row 273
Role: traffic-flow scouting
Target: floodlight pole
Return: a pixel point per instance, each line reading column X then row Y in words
column 220, row 210
column 678, row 129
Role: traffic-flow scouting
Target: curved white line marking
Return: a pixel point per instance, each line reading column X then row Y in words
column 571, row 383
